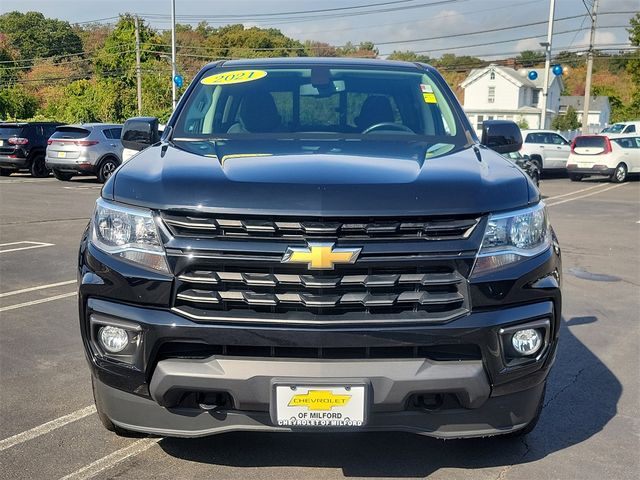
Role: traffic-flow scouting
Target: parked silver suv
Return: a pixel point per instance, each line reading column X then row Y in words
column 86, row 149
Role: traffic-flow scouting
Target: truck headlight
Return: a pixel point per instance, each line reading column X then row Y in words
column 128, row 233
column 513, row 236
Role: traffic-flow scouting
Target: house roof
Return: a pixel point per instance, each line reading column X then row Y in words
column 519, row 77
column 595, row 104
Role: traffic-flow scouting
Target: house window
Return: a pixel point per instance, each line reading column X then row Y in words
column 492, row 75
column 535, row 97
column 479, row 122
column 492, row 95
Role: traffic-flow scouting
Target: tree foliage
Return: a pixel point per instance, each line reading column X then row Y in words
column 409, row 56
column 17, row 104
column 566, row 122
column 36, row 36
column 530, row 58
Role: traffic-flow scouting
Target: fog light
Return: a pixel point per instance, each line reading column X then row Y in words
column 113, row 339
column 526, row 342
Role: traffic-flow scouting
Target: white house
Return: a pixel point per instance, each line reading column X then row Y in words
column 497, row 92
column 599, row 110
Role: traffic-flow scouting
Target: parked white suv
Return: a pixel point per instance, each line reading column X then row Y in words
column 547, row 149
column 600, row 155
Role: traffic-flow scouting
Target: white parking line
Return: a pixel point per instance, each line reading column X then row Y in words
column 46, row 427
column 586, row 195
column 36, row 302
column 26, row 180
column 39, row 287
column 29, row 247
column 577, row 191
column 111, row 460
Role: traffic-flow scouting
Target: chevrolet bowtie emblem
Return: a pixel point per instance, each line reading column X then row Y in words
column 320, row 256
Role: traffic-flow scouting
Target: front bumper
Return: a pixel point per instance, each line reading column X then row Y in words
column 497, row 415
column 491, row 394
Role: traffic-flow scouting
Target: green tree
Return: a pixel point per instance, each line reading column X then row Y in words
column 409, row 56
column 236, row 41
column 529, row 58
column 117, row 58
column 568, row 121
column 632, row 111
column 451, row 61
column 522, row 123
column 17, row 104
column 35, row 36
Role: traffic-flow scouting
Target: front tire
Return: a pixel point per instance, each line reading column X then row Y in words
column 575, row 177
column 38, row 168
column 106, row 422
column 535, row 178
column 537, row 161
column 620, row 174
column 107, row 167
column 64, row 177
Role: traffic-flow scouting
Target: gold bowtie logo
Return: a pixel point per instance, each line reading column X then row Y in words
column 320, row 256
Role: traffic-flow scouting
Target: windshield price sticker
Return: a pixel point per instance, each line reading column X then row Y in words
column 429, row 98
column 320, row 406
column 237, row 76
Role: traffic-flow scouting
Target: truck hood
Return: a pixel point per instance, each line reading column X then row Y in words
column 330, row 178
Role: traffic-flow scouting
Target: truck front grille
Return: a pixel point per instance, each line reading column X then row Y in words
column 350, row 296
column 232, row 270
column 231, row 227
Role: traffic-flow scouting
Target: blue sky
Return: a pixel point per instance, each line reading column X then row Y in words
column 417, row 20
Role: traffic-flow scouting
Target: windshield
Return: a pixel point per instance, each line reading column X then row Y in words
column 336, row 103
column 617, row 128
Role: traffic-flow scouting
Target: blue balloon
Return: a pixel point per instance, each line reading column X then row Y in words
column 178, row 80
column 532, row 75
column 557, row 70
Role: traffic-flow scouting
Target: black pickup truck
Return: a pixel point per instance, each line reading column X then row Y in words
column 319, row 244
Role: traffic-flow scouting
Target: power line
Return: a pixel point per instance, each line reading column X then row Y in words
column 279, row 20
column 531, row 37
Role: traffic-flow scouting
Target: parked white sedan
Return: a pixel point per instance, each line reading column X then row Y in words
column 547, row 149
column 600, row 155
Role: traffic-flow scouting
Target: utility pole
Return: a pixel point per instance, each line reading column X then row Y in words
column 138, row 71
column 547, row 65
column 173, row 52
column 587, row 85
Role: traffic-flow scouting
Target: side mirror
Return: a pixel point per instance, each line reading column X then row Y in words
column 139, row 133
column 503, row 136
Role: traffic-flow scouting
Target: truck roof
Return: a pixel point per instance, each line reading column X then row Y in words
column 329, row 61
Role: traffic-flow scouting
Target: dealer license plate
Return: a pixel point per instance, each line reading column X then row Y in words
column 320, row 406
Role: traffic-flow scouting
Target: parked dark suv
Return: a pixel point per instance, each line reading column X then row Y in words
column 22, row 147
column 319, row 244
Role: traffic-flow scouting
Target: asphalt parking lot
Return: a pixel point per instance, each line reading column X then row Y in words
column 590, row 426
